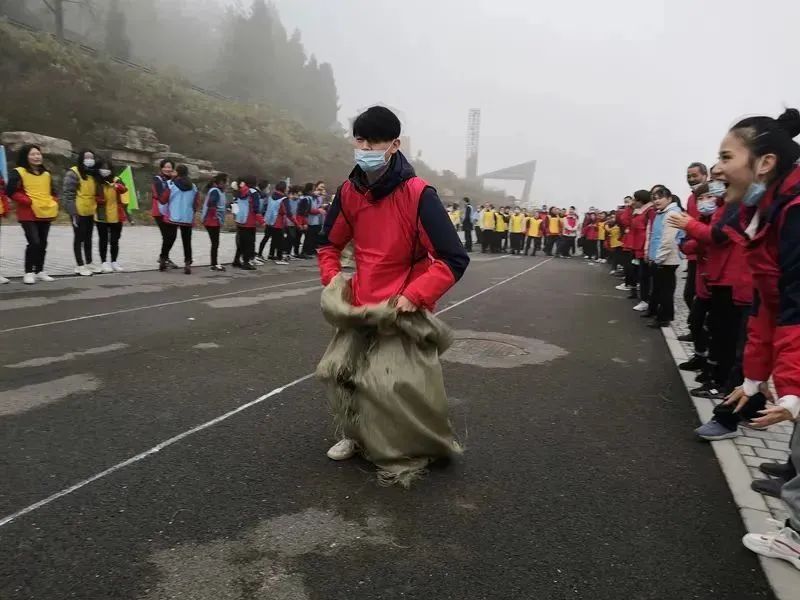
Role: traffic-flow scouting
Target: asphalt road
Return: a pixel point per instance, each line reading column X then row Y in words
column 581, row 480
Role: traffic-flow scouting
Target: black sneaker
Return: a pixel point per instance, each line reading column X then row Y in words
column 247, row 267
column 768, row 487
column 703, row 377
column 686, row 338
column 785, row 471
column 236, row 265
column 695, row 363
column 707, row 390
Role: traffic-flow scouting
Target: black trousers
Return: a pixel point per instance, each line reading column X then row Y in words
column 689, row 289
column 109, row 234
column 726, row 323
column 162, row 230
column 536, row 242
column 213, row 235
column 662, row 298
column 503, row 238
column 311, row 240
column 468, row 239
column 247, row 243
column 36, row 233
column 486, row 241
column 517, row 241
column 697, row 324
column 278, row 245
column 497, row 241
column 645, row 280
column 615, row 257
column 82, row 228
column 590, row 248
column 566, row 245
column 171, row 234
column 297, row 235
column 549, row 244
column 631, row 270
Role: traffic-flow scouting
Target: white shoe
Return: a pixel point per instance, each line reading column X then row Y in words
column 106, row 268
column 29, row 278
column 44, row 277
column 784, row 543
column 623, row 288
column 83, row 271
column 342, row 450
column 117, row 267
column 642, row 306
column 281, row 262
column 602, row 261
column 94, row 268
column 3, row 280
column 613, row 272
column 259, row 261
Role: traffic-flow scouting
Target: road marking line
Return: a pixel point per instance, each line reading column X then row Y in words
column 161, row 305
column 134, row 459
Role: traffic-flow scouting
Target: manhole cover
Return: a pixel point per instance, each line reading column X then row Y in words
column 499, row 350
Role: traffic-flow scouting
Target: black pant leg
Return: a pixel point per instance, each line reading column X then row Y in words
column 213, row 236
column 33, row 243
column 102, row 236
column 264, row 240
column 277, row 245
column 169, row 235
column 186, row 240
column 645, row 280
column 115, row 233
column 689, row 288
column 697, row 324
column 468, row 239
column 666, row 300
column 43, row 228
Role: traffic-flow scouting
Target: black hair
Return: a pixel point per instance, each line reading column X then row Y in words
column 698, row 165
column 263, row 184
column 296, row 189
column 83, row 171
column 280, row 187
column 308, row 189
column 628, row 197
column 22, row 157
column 641, row 196
column 164, row 162
column 249, row 180
column 377, row 124
column 660, row 191
column 182, row 171
column 765, row 135
column 103, row 163
column 318, row 183
column 677, row 201
column 467, row 200
column 218, row 179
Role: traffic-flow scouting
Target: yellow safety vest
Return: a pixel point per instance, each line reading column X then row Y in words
column 614, row 234
column 39, row 189
column 517, row 223
column 108, row 212
column 601, row 231
column 500, row 224
column 85, row 195
column 555, row 225
column 534, row 227
column 488, row 219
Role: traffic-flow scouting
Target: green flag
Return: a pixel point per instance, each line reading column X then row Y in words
column 129, row 198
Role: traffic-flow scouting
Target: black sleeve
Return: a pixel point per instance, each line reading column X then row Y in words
column 14, row 181
column 789, row 261
column 439, row 228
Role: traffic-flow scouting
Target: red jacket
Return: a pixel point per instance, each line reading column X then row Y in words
column 624, row 219
column 589, row 230
column 157, row 191
column 16, row 191
column 404, row 240
column 773, row 332
column 692, row 246
column 725, row 263
column 691, row 210
column 4, row 206
column 640, row 220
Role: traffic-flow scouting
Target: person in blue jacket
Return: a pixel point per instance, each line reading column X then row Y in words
column 177, row 205
column 212, row 215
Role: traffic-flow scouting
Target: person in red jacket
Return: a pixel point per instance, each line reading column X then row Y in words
column 641, row 217
column 696, row 175
column 624, row 218
column 405, row 244
column 166, row 172
column 212, row 214
column 32, row 189
column 589, row 235
column 758, row 160
column 4, row 210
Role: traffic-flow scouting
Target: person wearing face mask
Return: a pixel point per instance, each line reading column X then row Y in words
column 79, row 196
column 641, row 217
column 159, row 189
column 661, row 252
column 758, row 161
column 696, row 175
column 407, row 256
column 516, row 227
column 111, row 213
column 177, row 205
column 31, row 188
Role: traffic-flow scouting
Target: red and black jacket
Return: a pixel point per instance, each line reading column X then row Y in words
column 404, row 240
column 773, row 334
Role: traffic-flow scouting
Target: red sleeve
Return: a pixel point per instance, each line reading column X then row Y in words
column 15, row 189
column 164, row 196
column 757, row 363
column 335, row 235
column 699, row 231
column 624, row 218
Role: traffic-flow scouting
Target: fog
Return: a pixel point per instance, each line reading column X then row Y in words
column 608, row 96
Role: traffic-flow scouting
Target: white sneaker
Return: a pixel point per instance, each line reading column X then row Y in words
column 281, row 262
column 106, row 268
column 342, row 450
column 259, row 261
column 44, row 277
column 3, row 280
column 784, row 543
column 29, row 278
column 613, row 272
column 623, row 288
column 94, row 268
column 117, row 267
column 602, row 261
column 642, row 306
column 83, row 271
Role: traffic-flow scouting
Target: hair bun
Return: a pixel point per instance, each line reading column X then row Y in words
column 789, row 121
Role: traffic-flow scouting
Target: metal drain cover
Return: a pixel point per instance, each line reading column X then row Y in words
column 499, row 350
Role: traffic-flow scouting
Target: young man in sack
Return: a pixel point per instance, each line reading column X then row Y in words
column 407, row 255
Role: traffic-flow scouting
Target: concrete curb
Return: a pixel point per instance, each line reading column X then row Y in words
column 783, row 578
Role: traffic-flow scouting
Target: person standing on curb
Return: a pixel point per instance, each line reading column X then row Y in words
column 79, row 197
column 468, row 224
column 110, row 215
column 160, row 186
column 178, row 205
column 212, row 215
column 31, row 188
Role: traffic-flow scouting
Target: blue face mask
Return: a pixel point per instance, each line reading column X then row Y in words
column 754, row 193
column 371, row 160
column 707, row 207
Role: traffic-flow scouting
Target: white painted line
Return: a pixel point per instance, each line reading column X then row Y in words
column 149, row 306
column 134, row 459
column 49, row 360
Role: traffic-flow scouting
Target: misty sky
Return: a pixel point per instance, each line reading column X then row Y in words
column 608, row 96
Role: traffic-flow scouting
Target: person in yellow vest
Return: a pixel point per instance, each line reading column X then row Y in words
column 500, row 230
column 614, row 243
column 111, row 213
column 487, row 229
column 4, row 210
column 455, row 216
column 516, row 226
column 79, row 198
column 602, row 253
column 534, row 233
column 31, row 188
column 552, row 231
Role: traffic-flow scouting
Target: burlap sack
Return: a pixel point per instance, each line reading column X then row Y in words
column 385, row 383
